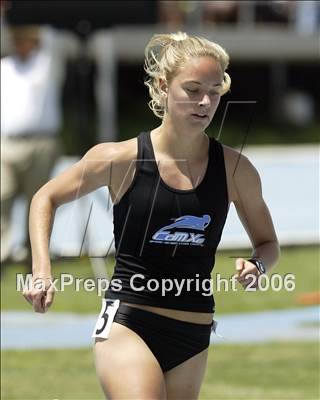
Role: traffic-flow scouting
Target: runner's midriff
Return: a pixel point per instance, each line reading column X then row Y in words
column 187, row 316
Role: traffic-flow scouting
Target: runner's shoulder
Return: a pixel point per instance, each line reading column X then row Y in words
column 240, row 168
column 235, row 159
column 115, row 152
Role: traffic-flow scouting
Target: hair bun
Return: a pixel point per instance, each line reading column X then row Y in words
column 179, row 36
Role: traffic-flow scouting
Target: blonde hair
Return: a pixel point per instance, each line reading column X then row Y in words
column 166, row 53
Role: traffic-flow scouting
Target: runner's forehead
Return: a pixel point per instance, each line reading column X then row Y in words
column 214, row 84
column 204, row 70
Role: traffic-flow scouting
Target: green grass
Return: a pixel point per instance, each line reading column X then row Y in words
column 68, row 300
column 258, row 372
column 269, row 371
column 266, row 371
column 49, row 374
column 303, row 262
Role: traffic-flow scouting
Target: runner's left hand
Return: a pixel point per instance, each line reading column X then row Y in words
column 245, row 268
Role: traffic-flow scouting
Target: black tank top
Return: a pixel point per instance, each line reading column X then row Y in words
column 164, row 233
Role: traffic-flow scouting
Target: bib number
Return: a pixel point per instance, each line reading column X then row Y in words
column 106, row 317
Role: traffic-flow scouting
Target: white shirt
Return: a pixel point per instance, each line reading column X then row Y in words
column 31, row 90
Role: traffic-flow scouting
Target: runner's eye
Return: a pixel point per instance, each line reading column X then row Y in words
column 192, row 90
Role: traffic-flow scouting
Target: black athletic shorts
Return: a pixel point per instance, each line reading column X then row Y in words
column 171, row 341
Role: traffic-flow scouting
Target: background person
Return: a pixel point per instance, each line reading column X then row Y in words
column 32, row 77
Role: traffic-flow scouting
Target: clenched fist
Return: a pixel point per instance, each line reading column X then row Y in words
column 247, row 273
column 40, row 293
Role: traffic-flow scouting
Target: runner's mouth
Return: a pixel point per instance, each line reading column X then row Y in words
column 202, row 116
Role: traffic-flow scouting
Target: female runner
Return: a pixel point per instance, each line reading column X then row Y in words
column 171, row 188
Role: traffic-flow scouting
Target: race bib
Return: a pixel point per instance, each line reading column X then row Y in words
column 105, row 319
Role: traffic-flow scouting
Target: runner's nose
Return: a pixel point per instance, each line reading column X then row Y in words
column 205, row 101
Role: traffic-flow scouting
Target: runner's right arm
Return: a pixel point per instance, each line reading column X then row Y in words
column 87, row 175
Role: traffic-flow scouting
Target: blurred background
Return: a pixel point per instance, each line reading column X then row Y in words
column 72, row 76
column 273, row 47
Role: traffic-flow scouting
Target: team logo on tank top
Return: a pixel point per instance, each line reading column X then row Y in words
column 175, row 233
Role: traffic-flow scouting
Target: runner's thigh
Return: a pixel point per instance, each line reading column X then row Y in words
column 126, row 367
column 184, row 381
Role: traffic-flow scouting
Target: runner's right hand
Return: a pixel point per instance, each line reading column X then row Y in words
column 40, row 293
